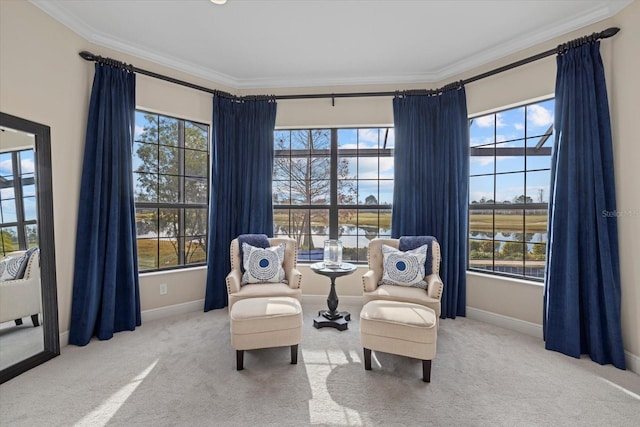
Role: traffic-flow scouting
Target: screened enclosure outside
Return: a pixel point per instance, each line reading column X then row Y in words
column 333, row 183
column 18, row 204
column 510, row 158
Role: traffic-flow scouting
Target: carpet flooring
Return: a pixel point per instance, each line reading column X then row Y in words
column 180, row 371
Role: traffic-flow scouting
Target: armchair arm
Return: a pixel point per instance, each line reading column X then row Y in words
column 233, row 281
column 370, row 281
column 434, row 286
column 295, row 278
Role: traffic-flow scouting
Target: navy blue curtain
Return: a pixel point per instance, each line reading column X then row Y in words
column 431, row 182
column 582, row 286
column 241, row 193
column 106, row 294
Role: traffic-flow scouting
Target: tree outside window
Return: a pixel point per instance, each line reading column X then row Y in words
column 326, row 184
column 171, row 163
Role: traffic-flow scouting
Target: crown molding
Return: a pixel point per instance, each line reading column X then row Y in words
column 164, row 60
column 93, row 36
column 589, row 17
column 85, row 31
column 338, row 81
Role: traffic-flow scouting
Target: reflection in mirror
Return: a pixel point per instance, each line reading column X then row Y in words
column 20, row 294
column 28, row 303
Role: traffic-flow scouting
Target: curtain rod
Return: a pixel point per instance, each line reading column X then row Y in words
column 560, row 49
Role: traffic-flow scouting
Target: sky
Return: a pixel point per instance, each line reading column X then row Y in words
column 364, row 172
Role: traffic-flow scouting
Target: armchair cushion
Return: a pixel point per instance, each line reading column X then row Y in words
column 263, row 265
column 403, row 294
column 404, row 268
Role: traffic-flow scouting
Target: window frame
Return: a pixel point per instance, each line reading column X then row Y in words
column 525, row 152
column 181, row 205
column 334, row 153
column 17, row 185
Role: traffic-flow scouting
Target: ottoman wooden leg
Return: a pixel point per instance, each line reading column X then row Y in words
column 294, row 354
column 367, row 359
column 239, row 360
column 426, row 371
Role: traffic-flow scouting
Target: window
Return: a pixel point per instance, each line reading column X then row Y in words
column 510, row 157
column 333, row 183
column 18, row 208
column 171, row 186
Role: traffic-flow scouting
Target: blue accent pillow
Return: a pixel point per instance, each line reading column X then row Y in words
column 257, row 240
column 263, row 265
column 407, row 243
column 403, row 268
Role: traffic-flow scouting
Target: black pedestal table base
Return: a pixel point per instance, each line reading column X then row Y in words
column 332, row 317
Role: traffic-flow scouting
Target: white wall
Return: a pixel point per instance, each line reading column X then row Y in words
column 43, row 79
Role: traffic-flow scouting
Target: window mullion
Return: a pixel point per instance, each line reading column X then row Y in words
column 333, row 208
column 19, row 200
column 181, row 194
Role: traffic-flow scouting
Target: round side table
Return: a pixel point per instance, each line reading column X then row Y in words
column 332, row 317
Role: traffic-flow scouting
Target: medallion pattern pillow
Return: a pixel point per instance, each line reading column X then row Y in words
column 263, row 265
column 12, row 267
column 403, row 268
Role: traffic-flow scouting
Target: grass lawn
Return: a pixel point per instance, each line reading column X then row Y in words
column 509, row 223
column 364, row 219
column 477, row 222
column 148, row 254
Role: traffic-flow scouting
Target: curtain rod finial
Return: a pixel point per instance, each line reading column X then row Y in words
column 87, row 55
column 609, row 32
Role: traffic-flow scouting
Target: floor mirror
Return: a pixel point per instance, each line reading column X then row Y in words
column 29, row 334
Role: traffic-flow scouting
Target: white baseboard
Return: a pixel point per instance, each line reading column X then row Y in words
column 534, row 330
column 64, row 338
column 155, row 314
column 172, row 310
column 507, row 322
column 522, row 326
column 633, row 362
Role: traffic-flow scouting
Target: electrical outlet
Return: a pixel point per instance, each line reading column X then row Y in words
column 163, row 288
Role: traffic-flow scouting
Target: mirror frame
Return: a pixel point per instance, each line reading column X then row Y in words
column 46, row 243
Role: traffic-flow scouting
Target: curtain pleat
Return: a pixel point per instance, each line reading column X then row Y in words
column 582, row 278
column 106, row 295
column 431, row 182
column 241, row 174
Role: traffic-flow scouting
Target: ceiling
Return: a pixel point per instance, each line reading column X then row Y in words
column 299, row 43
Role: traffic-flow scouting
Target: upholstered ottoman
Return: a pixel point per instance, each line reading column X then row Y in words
column 399, row 328
column 265, row 322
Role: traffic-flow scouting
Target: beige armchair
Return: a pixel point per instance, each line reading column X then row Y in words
column 262, row 290
column 373, row 291
column 21, row 298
